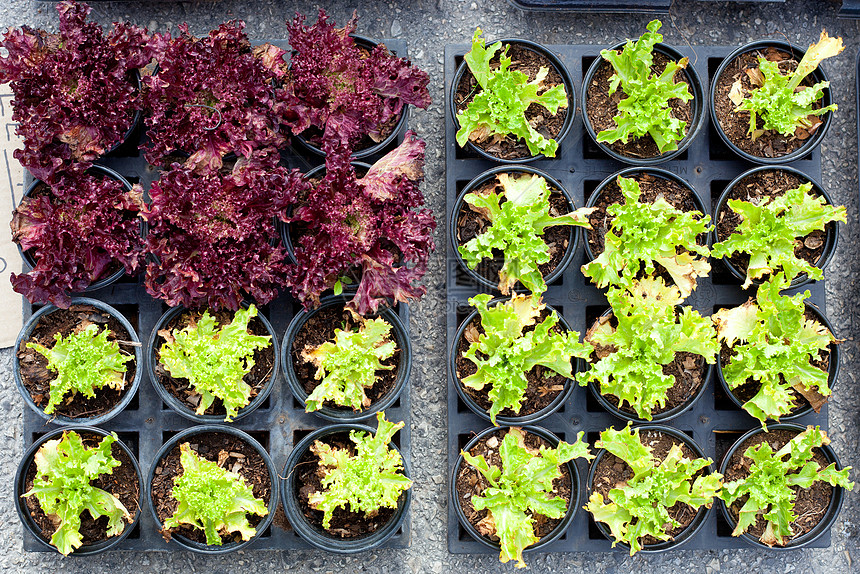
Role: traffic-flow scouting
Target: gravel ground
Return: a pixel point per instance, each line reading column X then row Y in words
column 439, row 22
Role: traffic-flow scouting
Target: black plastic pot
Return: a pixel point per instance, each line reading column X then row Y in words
column 630, row 172
column 24, row 513
column 96, row 170
column 568, row 87
column 368, row 44
column 831, row 228
column 180, row 407
column 571, row 508
column 185, row 436
column 130, row 391
column 816, row 76
column 127, row 139
column 693, row 128
column 316, row 535
column 663, row 417
column 826, row 521
column 701, row 514
column 345, row 414
column 500, row 419
column 832, row 372
column 478, row 181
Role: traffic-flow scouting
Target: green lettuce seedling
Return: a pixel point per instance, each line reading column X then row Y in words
column 644, row 234
column 521, row 489
column 640, row 506
column 645, row 110
column 770, row 230
column 366, row 481
column 348, row 364
column 500, row 108
column 504, row 352
column 64, row 470
column 780, row 100
column 773, row 344
column 84, row 361
column 518, row 217
column 212, row 499
column 214, row 359
column 649, row 333
column 771, row 478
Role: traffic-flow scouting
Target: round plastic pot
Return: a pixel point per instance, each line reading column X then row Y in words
column 632, row 172
column 701, row 515
column 816, row 76
column 179, row 406
column 24, row 512
column 116, row 275
column 568, row 88
column 460, row 204
column 572, row 506
column 315, row 534
column 346, row 414
column 135, row 121
column 663, row 417
column 693, row 128
column 368, row 44
column 832, row 232
column 129, row 394
column 826, row 521
column 185, row 436
column 502, row 420
column 832, row 371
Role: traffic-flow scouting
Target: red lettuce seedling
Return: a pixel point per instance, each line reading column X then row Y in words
column 371, row 224
column 210, row 232
column 74, row 96
column 342, row 90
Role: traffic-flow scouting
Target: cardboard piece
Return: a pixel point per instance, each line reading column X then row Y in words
column 11, row 190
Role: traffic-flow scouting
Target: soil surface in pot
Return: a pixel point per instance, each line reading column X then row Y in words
column 544, row 385
column 264, row 362
column 123, row 483
column 748, row 390
column 736, row 125
column 770, row 184
column 612, row 472
column 470, row 224
column 34, row 366
column 688, row 369
column 810, row 504
column 344, row 523
column 318, row 329
column 549, row 126
column 232, row 453
column 470, row 483
column 602, row 108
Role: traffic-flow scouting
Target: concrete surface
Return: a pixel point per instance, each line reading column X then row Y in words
column 428, row 25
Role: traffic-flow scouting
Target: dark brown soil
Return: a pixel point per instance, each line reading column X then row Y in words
column 810, row 504
column 344, row 523
column 320, row 328
column 123, row 483
column 544, row 385
column 771, row 184
column 612, row 472
column 261, row 372
column 688, row 369
column 471, row 483
column 238, row 456
column 602, row 108
column 34, row 366
column 529, row 62
column 736, row 124
column 749, row 390
column 470, row 224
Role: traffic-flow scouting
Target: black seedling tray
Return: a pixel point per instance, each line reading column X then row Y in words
column 714, row 422
column 602, row 6
column 278, row 424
